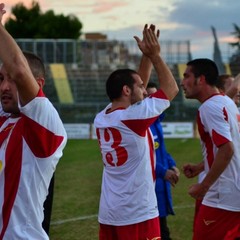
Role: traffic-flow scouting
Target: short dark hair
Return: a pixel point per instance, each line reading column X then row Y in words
column 117, row 80
column 222, row 80
column 36, row 64
column 152, row 85
column 206, row 67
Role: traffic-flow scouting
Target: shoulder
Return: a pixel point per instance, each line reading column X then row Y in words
column 3, row 119
column 214, row 103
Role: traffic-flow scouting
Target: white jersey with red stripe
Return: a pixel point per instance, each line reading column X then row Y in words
column 218, row 123
column 128, row 194
column 30, row 148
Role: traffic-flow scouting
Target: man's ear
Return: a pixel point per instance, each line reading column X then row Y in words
column 126, row 90
column 201, row 79
column 40, row 81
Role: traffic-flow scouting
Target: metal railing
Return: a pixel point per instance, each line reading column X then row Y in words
column 98, row 53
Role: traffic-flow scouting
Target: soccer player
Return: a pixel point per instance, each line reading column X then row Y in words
column 31, row 141
column 128, row 206
column 218, row 127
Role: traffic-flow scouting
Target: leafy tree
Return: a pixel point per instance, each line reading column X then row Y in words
column 32, row 23
column 24, row 24
column 60, row 26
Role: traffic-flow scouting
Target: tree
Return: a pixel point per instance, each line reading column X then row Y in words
column 236, row 34
column 235, row 58
column 32, row 23
column 59, row 27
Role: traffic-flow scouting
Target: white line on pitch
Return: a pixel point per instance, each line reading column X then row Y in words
column 59, row 222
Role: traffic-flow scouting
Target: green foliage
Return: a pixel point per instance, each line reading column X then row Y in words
column 25, row 21
column 78, row 184
column 32, row 23
column 236, row 34
column 235, row 58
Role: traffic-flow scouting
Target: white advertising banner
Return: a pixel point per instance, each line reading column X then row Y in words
column 78, row 130
column 178, row 130
column 170, row 130
column 94, row 135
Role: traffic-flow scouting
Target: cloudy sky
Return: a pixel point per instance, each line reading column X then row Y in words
column 176, row 19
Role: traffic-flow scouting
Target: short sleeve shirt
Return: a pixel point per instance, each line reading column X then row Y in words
column 218, row 123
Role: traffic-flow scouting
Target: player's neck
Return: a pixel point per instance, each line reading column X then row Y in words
column 119, row 105
column 207, row 93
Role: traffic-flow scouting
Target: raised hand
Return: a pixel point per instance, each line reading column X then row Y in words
column 153, row 27
column 149, row 45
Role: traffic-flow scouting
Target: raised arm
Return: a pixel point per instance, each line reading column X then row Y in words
column 15, row 64
column 150, row 47
column 145, row 67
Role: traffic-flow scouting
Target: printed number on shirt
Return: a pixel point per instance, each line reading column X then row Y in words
column 113, row 153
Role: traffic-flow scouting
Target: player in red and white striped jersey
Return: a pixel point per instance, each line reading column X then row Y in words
column 218, row 125
column 32, row 138
column 128, row 206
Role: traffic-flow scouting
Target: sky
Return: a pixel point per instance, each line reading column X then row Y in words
column 177, row 19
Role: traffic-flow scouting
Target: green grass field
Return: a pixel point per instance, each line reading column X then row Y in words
column 77, row 190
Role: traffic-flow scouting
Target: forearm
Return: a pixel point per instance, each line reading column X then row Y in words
column 145, row 69
column 220, row 163
column 17, row 67
column 200, row 167
column 166, row 80
column 9, row 51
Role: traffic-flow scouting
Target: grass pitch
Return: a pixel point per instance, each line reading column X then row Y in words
column 78, row 183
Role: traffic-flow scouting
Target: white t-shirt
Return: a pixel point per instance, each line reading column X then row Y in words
column 128, row 194
column 218, row 123
column 30, row 148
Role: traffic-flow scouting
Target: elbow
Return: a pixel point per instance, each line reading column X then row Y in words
column 174, row 92
column 18, row 74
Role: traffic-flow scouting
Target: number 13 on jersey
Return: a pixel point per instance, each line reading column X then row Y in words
column 110, row 141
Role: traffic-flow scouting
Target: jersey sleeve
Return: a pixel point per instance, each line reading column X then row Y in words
column 142, row 114
column 215, row 121
column 43, row 130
